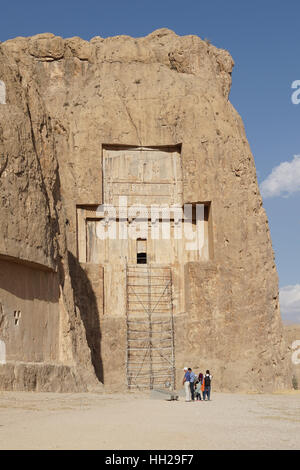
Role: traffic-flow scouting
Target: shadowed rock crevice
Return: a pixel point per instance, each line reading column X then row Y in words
column 86, row 302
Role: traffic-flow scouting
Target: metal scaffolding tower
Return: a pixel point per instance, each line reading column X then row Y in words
column 150, row 330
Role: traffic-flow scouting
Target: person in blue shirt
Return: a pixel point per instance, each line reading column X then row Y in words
column 192, row 383
column 186, row 383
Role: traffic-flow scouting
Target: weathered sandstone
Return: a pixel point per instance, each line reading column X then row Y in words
column 292, row 333
column 72, row 105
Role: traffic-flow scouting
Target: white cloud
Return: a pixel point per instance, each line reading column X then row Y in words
column 283, row 180
column 289, row 297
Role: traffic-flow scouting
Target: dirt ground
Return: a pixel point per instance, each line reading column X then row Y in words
column 138, row 421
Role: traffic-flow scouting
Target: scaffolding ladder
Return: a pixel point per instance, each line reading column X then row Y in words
column 150, row 360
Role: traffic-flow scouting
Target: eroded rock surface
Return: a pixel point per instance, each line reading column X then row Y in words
column 292, row 333
column 65, row 99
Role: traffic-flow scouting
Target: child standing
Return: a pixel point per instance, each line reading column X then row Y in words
column 198, row 390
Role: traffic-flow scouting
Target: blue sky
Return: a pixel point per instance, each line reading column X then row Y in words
column 263, row 38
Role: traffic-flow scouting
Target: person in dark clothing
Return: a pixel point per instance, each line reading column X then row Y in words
column 207, row 385
column 198, row 386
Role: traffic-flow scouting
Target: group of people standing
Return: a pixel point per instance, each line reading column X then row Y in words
column 194, row 385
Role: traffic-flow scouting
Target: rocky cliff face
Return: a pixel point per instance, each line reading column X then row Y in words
column 292, row 333
column 65, row 98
